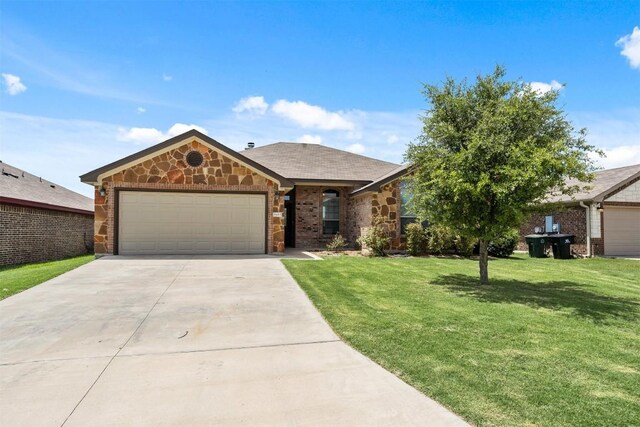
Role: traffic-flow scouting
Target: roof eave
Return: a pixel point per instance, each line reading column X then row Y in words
column 600, row 197
column 376, row 185
column 42, row 205
column 92, row 177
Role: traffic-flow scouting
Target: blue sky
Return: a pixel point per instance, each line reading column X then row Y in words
column 85, row 83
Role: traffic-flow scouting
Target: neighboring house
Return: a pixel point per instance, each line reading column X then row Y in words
column 193, row 195
column 41, row 221
column 604, row 216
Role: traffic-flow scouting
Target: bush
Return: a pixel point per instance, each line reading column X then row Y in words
column 464, row 246
column 439, row 239
column 417, row 239
column 338, row 243
column 375, row 238
column 504, row 246
column 442, row 239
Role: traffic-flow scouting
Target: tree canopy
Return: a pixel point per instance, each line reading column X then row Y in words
column 488, row 152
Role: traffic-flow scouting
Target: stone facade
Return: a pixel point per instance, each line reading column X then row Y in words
column 30, row 234
column 386, row 203
column 170, row 171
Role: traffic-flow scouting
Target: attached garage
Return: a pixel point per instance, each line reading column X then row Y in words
column 622, row 231
column 161, row 222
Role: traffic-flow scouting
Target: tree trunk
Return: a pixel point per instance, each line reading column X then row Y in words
column 484, row 262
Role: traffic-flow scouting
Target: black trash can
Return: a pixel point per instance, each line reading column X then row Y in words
column 536, row 244
column 561, row 245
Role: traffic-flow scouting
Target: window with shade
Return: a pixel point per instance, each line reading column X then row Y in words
column 330, row 212
column 406, row 216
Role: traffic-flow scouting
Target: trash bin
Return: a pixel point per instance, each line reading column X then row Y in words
column 536, row 244
column 561, row 245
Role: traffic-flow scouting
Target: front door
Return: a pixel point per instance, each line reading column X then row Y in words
column 290, row 224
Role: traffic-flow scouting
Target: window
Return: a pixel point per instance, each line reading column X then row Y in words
column 406, row 217
column 195, row 159
column 330, row 212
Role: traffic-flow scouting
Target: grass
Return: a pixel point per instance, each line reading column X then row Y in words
column 16, row 279
column 547, row 343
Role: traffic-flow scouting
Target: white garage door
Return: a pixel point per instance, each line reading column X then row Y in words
column 190, row 223
column 622, row 231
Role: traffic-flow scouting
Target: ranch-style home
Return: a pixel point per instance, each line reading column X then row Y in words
column 192, row 195
column 41, row 220
column 604, row 215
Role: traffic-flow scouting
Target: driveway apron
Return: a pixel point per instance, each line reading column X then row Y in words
column 188, row 341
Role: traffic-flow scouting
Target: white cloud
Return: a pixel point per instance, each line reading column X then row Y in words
column 252, row 105
column 167, row 77
column 543, row 88
column 310, row 139
column 140, row 135
column 617, row 133
column 13, row 84
column 179, row 128
column 141, row 110
column 311, row 116
column 153, row 135
column 631, row 47
column 620, row 156
column 356, row 148
column 393, row 139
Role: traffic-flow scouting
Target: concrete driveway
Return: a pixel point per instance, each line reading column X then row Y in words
column 188, row 341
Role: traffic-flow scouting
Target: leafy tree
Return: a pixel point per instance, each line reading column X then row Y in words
column 488, row 152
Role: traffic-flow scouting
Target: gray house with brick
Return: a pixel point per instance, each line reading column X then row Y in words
column 604, row 215
column 40, row 220
column 193, row 195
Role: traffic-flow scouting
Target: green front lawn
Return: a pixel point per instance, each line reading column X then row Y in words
column 548, row 343
column 17, row 279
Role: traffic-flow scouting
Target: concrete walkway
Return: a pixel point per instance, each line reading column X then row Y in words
column 188, row 341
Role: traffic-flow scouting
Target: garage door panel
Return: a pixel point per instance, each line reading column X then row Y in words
column 622, row 231
column 191, row 223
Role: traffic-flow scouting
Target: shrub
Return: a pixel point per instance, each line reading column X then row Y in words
column 375, row 238
column 442, row 239
column 417, row 239
column 504, row 246
column 338, row 243
column 464, row 245
column 439, row 239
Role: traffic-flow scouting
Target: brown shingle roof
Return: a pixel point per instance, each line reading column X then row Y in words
column 299, row 161
column 605, row 182
column 20, row 185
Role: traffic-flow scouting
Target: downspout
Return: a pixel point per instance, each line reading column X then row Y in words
column 588, row 215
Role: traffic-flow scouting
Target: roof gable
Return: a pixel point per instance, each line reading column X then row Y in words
column 95, row 176
column 605, row 182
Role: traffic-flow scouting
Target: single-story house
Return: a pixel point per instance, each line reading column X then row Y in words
column 193, row 195
column 604, row 216
column 40, row 220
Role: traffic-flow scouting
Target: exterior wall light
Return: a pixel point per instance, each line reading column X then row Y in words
column 102, row 191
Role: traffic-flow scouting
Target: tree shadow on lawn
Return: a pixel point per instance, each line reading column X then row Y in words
column 554, row 295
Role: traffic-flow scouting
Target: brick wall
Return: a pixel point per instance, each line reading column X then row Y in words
column 358, row 216
column 309, row 215
column 572, row 220
column 33, row 235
